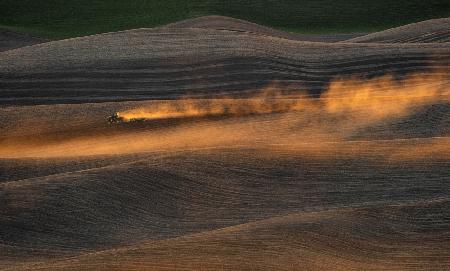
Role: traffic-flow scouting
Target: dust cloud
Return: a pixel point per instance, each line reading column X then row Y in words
column 272, row 121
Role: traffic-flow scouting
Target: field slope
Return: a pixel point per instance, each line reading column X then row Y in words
column 235, row 147
column 437, row 30
column 170, row 62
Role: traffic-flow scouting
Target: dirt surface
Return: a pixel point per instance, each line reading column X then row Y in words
column 436, row 30
column 167, row 63
column 226, row 205
column 299, row 156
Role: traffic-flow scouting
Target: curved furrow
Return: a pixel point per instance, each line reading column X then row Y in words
column 342, row 239
column 354, row 178
column 162, row 63
column 196, row 191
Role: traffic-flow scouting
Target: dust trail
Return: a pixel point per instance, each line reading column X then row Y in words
column 377, row 98
column 268, row 101
column 311, row 126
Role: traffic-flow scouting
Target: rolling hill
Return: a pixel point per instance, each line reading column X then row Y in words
column 437, row 30
column 352, row 173
column 170, row 62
